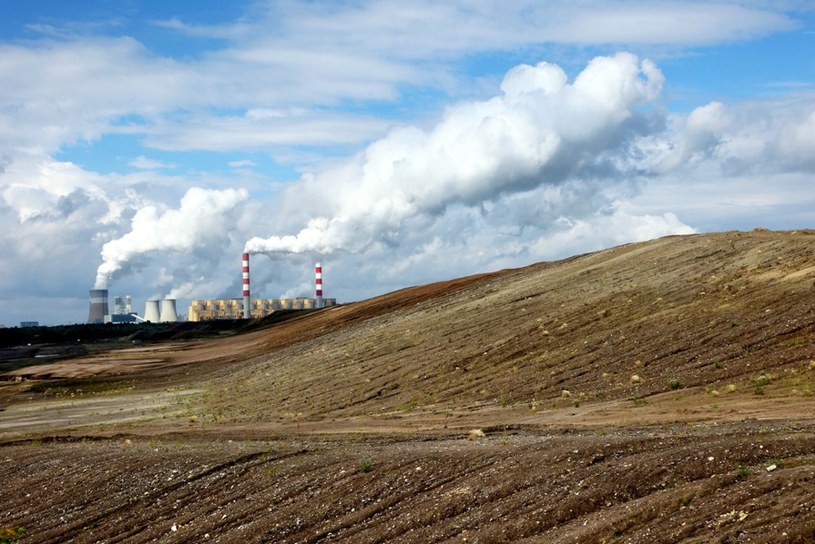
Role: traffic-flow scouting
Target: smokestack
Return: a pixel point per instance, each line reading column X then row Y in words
column 318, row 277
column 246, row 310
column 168, row 313
column 151, row 311
column 98, row 305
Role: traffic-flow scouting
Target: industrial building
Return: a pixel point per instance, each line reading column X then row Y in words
column 156, row 311
column 160, row 311
column 98, row 306
column 232, row 308
column 247, row 307
column 164, row 311
column 122, row 305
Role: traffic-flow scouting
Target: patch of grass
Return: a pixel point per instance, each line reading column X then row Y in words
column 797, row 341
column 742, row 472
column 11, row 534
column 366, row 466
column 639, row 401
column 674, row 384
column 761, row 383
column 685, row 501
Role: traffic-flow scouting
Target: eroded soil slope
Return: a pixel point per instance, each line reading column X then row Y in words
column 655, row 392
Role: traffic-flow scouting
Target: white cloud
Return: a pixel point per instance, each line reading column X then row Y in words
column 200, row 223
column 144, row 163
column 263, row 131
column 540, row 131
column 769, row 136
column 242, row 164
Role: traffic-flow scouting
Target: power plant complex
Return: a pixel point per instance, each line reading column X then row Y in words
column 99, row 313
column 164, row 311
column 248, row 308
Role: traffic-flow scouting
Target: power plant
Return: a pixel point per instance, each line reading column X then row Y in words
column 234, row 308
column 168, row 313
column 151, row 311
column 164, row 311
column 98, row 306
column 99, row 311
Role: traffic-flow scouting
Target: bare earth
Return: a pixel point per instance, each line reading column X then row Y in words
column 655, row 392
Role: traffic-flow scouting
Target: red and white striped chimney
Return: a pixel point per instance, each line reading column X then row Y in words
column 318, row 277
column 246, row 310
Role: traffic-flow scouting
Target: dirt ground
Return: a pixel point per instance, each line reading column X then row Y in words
column 656, row 392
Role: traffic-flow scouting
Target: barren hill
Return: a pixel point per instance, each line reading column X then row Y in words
column 653, row 392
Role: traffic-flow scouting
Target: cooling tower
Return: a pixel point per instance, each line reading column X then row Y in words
column 99, row 306
column 151, row 311
column 168, row 313
column 246, row 309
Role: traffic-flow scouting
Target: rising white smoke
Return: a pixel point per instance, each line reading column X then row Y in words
column 201, row 217
column 540, row 130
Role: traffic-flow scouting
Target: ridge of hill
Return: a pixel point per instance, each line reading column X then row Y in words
column 656, row 392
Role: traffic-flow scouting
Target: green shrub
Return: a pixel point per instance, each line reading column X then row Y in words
column 674, row 384
column 761, row 384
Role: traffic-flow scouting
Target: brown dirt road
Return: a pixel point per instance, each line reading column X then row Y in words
column 656, row 392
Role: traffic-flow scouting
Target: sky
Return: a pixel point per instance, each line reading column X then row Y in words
column 145, row 145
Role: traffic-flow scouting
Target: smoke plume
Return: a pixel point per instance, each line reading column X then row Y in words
column 540, row 130
column 201, row 218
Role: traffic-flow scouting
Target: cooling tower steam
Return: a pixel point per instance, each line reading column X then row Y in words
column 540, row 130
column 202, row 217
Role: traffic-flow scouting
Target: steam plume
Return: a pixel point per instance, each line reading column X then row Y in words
column 540, row 130
column 200, row 218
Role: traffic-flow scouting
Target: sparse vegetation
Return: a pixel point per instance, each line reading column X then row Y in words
column 391, row 387
column 760, row 384
column 9, row 535
column 674, row 384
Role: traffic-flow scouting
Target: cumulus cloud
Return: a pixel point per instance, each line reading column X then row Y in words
column 542, row 130
column 203, row 216
column 702, row 133
column 767, row 136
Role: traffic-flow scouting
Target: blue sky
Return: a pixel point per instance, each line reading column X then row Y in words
column 145, row 145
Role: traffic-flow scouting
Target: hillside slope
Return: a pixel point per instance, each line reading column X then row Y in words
column 730, row 312
column 659, row 392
